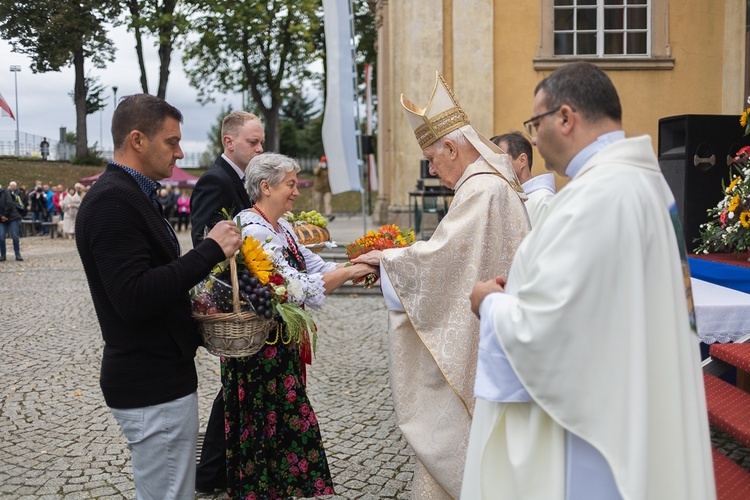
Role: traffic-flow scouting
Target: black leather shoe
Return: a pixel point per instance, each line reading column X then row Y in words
column 2, row 258
column 18, row 257
column 209, row 489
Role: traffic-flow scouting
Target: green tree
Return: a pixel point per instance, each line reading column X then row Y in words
column 365, row 37
column 263, row 47
column 57, row 34
column 215, row 143
column 94, row 99
column 167, row 20
column 297, row 115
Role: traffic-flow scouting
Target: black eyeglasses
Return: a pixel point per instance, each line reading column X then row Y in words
column 532, row 123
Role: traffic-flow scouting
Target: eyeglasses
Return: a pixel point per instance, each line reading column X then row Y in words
column 532, row 124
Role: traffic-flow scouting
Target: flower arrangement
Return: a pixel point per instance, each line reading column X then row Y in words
column 267, row 288
column 729, row 229
column 388, row 236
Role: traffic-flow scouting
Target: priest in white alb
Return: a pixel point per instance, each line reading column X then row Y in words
column 540, row 189
column 589, row 382
column 433, row 335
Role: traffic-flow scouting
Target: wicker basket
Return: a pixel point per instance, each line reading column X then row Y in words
column 236, row 334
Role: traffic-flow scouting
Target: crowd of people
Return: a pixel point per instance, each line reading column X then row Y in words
column 541, row 345
column 45, row 204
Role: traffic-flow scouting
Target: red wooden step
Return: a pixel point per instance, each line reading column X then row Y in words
column 735, row 354
column 728, row 408
column 732, row 481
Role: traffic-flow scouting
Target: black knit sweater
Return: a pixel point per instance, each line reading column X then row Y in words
column 139, row 287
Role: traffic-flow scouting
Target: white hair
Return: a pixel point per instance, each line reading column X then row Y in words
column 271, row 167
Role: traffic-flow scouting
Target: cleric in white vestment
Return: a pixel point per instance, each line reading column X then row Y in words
column 589, row 382
column 433, row 336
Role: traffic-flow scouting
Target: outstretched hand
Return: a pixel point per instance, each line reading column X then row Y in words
column 227, row 235
column 371, row 258
column 483, row 289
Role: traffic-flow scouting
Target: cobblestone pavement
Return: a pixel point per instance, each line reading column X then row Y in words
column 59, row 440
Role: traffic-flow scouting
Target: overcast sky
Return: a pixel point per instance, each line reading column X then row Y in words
column 44, row 105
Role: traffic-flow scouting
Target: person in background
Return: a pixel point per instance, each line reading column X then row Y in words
column 167, row 201
column 50, row 192
column 10, row 221
column 69, row 207
column 541, row 188
column 432, row 334
column 57, row 198
column 220, row 188
column 38, row 205
column 44, row 149
column 183, row 210
column 589, row 381
column 20, row 196
column 140, row 283
column 322, row 190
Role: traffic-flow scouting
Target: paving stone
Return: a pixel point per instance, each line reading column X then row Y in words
column 59, row 440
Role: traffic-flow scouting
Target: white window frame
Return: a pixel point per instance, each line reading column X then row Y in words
column 658, row 54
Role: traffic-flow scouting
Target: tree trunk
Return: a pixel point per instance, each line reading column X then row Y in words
column 272, row 128
column 166, row 40
column 136, row 16
column 82, row 150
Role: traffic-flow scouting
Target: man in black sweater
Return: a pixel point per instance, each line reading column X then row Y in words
column 139, row 285
column 222, row 187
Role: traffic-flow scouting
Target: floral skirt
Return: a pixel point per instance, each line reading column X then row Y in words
column 274, row 448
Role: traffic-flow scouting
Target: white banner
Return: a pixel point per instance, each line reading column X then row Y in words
column 339, row 123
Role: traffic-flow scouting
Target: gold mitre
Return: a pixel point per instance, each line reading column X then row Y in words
column 441, row 116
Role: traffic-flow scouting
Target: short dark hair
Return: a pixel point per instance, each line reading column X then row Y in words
column 517, row 144
column 142, row 112
column 585, row 88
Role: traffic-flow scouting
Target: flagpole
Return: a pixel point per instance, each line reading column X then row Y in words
column 15, row 69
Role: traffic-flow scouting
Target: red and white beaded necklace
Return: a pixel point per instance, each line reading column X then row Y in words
column 290, row 241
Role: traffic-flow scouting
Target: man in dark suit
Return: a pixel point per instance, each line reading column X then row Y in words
column 222, row 187
column 140, row 286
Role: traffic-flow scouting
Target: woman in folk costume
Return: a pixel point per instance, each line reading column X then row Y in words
column 432, row 333
column 274, row 447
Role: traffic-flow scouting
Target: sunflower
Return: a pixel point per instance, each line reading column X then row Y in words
column 745, row 219
column 733, row 184
column 743, row 117
column 256, row 259
column 734, row 203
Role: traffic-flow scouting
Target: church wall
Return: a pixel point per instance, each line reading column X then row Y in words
column 487, row 55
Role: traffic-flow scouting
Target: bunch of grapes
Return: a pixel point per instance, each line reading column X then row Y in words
column 221, row 292
column 312, row 217
column 255, row 294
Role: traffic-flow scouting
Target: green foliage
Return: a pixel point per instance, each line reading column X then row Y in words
column 93, row 157
column 365, row 36
column 215, row 144
column 94, row 99
column 263, row 47
column 167, row 20
column 300, row 133
column 57, row 34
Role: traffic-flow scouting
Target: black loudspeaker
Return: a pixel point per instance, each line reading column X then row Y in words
column 695, row 154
